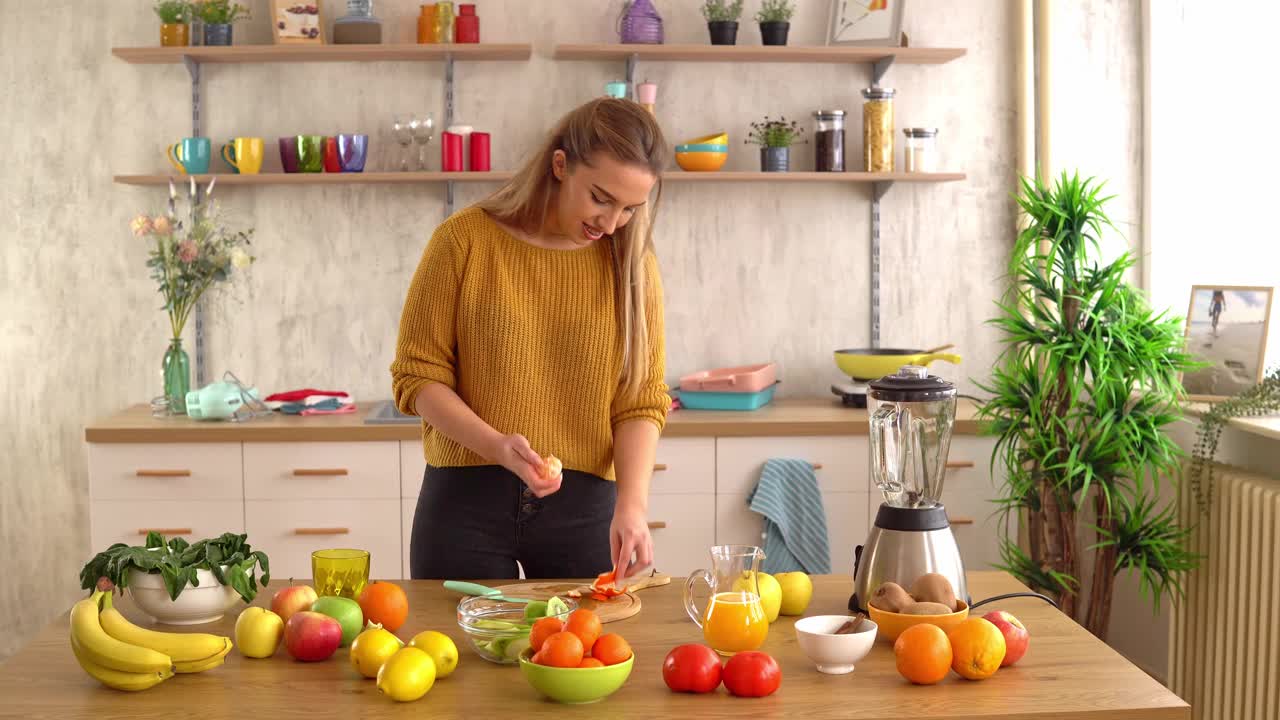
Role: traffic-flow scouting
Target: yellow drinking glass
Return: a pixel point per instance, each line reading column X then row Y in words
column 342, row 572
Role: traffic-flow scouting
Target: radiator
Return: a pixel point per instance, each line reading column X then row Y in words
column 1225, row 645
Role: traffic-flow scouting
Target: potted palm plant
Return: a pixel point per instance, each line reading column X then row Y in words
column 775, row 138
column 722, row 20
column 774, row 17
column 1087, row 382
column 175, row 19
column 217, row 16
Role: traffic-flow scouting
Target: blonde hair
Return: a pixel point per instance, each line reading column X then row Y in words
column 629, row 134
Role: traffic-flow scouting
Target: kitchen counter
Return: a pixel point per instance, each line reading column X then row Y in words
column 783, row 417
column 1067, row 673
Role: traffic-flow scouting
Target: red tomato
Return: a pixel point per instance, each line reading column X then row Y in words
column 752, row 674
column 692, row 668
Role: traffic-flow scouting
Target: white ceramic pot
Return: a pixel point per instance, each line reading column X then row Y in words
column 834, row 654
column 194, row 606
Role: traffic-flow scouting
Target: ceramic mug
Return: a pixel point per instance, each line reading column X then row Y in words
column 191, row 156
column 352, row 151
column 331, row 162
column 289, row 154
column 229, row 156
column 310, row 153
column 244, row 154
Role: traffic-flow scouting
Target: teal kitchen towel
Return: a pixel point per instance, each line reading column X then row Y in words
column 795, row 524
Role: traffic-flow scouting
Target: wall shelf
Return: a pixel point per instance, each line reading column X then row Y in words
column 810, row 177
column 408, row 178
column 747, row 53
column 323, row 53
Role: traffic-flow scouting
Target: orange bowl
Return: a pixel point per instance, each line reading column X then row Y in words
column 892, row 624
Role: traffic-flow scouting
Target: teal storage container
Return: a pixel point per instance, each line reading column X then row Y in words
column 726, row 400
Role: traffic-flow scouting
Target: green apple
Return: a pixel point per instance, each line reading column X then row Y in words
column 797, row 591
column 769, row 589
column 258, row 632
column 346, row 611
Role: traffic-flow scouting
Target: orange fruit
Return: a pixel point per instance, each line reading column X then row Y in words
column 563, row 649
column 590, row 662
column 538, row 659
column 923, row 654
column 384, row 603
column 978, row 648
column 611, row 649
column 586, row 625
column 543, row 629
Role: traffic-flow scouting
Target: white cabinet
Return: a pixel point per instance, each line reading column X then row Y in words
column 128, row 521
column 312, row 470
column 165, row 471
column 413, row 465
column 847, row 525
column 968, row 493
column 684, row 466
column 289, row 530
column 841, row 462
column 685, row 534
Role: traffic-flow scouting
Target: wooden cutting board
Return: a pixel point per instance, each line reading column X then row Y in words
column 619, row 608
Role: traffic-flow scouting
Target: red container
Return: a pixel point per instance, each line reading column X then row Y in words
column 466, row 27
column 332, row 163
column 451, row 152
column 479, row 152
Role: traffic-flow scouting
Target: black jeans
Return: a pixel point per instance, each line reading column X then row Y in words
column 477, row 522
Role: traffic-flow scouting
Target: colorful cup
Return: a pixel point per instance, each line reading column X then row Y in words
column 289, row 154
column 341, row 572
column 478, row 152
column 229, row 154
column 451, row 152
column 331, row 162
column 352, row 151
column 244, row 154
column 191, row 156
column 310, row 153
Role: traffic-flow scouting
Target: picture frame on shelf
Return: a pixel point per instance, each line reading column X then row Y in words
column 865, row 22
column 297, row 22
column 1227, row 328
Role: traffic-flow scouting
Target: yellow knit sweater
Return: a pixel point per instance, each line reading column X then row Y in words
column 528, row 338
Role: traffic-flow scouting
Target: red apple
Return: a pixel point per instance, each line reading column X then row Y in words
column 311, row 637
column 292, row 599
column 1016, row 637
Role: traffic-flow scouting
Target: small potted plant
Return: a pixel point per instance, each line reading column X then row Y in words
column 217, row 16
column 722, row 20
column 175, row 16
column 775, row 138
column 774, row 17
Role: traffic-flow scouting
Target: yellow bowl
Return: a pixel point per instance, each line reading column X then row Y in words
column 721, row 138
column 892, row 624
column 701, row 161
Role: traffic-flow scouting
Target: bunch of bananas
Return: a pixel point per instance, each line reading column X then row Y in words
column 123, row 656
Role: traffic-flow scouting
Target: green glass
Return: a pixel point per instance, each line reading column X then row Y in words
column 310, row 153
column 177, row 377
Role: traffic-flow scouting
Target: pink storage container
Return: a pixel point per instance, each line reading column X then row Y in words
column 744, row 379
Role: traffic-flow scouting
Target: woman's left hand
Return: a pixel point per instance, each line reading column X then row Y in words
column 628, row 536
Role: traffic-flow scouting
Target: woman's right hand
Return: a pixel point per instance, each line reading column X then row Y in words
column 515, row 454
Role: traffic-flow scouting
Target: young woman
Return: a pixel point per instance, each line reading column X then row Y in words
column 533, row 328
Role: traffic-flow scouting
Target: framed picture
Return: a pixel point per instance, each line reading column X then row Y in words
column 1227, row 328
column 297, row 22
column 865, row 22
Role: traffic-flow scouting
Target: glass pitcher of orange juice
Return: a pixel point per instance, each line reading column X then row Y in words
column 734, row 619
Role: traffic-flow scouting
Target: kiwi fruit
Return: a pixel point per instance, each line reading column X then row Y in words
column 890, row 597
column 926, row 608
column 934, row 588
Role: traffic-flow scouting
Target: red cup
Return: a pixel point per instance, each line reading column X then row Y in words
column 332, row 163
column 479, row 152
column 451, row 152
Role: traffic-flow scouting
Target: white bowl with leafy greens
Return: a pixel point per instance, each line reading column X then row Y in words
column 499, row 629
column 181, row 583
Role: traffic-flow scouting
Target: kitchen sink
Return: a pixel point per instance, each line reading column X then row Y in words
column 385, row 413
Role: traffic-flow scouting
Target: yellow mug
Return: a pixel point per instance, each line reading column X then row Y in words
column 244, row 154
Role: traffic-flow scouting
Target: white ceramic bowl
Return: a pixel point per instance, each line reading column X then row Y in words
column 194, row 606
column 834, row 654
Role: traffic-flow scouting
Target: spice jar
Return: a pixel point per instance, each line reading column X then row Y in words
column 444, row 22
column 877, row 129
column 468, row 24
column 427, row 24
column 829, row 141
column 920, row 152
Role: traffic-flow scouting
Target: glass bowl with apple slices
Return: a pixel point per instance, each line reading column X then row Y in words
column 498, row 629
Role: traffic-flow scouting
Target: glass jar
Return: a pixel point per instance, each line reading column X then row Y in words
column 877, row 129
column 444, row 22
column 175, row 368
column 921, row 150
column 828, row 141
column 468, row 24
column 427, row 24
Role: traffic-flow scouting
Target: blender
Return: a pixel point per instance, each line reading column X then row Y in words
column 911, row 416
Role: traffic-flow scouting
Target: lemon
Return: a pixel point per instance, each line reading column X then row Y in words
column 407, row 675
column 441, row 649
column 372, row 648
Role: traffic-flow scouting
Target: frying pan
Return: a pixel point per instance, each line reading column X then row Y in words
column 872, row 363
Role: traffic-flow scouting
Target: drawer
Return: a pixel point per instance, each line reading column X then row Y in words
column 968, row 494
column 683, row 541
column 165, row 471
column 684, row 466
column 289, row 530
column 407, row 508
column 412, row 466
column 842, row 461
column 127, row 521
column 338, row 470
column 847, row 524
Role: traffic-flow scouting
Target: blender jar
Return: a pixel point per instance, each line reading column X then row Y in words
column 911, row 413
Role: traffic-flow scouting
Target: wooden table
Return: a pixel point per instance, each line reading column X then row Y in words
column 1067, row 673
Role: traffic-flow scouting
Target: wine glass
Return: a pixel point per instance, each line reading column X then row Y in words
column 423, row 130
column 401, row 127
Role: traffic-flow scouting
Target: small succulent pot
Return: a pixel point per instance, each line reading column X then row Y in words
column 775, row 159
column 175, row 35
column 774, row 33
column 723, row 32
column 217, row 34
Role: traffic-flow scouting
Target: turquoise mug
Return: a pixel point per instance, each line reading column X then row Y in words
column 191, row 156
column 310, row 153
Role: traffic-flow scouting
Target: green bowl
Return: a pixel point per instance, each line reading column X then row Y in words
column 575, row 686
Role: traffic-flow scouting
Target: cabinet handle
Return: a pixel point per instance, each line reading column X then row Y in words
column 319, row 472
column 657, row 524
column 322, row 531
column 165, row 531
column 954, row 464
column 659, row 467
column 960, row 520
column 163, row 473
column 816, row 466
